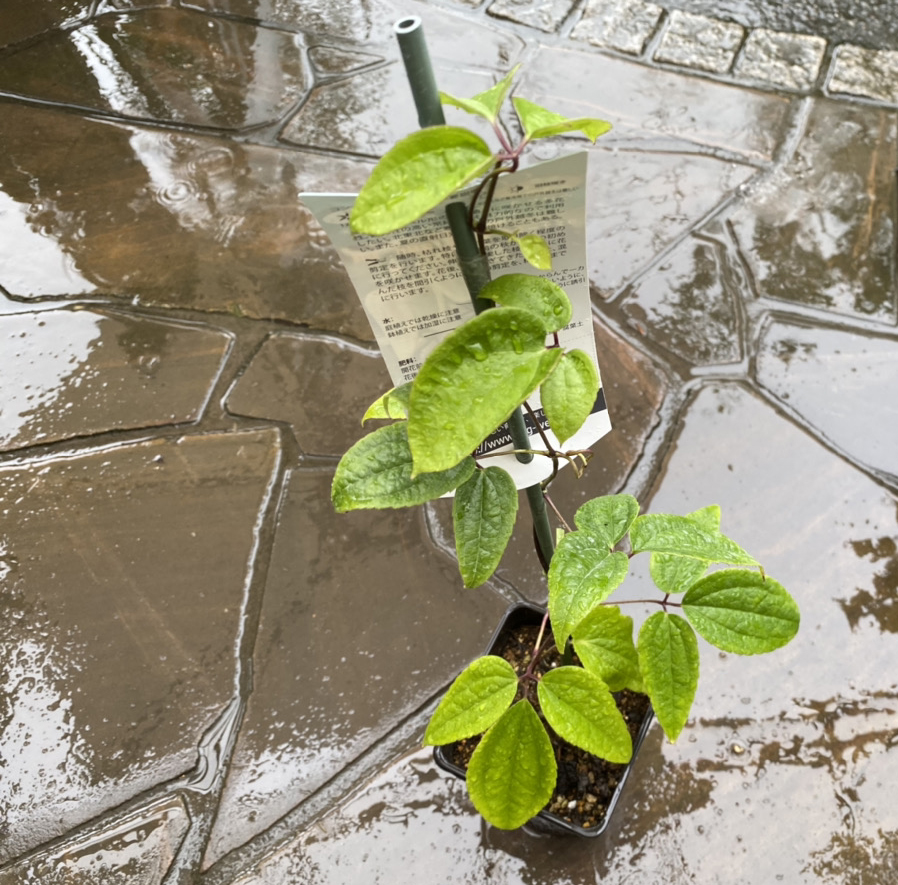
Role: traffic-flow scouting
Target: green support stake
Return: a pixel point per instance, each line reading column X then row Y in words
column 474, row 264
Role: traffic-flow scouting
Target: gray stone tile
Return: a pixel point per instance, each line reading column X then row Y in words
column 74, row 373
column 319, row 386
column 820, row 231
column 646, row 104
column 801, row 737
column 169, row 219
column 870, row 73
column 124, row 582
column 369, row 112
column 229, row 74
column 840, row 383
column 546, row 15
column 329, row 60
column 782, row 59
column 687, row 307
column 700, row 42
column 363, row 621
column 137, row 849
column 625, row 25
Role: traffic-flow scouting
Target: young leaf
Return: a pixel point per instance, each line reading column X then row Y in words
column 604, row 643
column 485, row 104
column 376, row 473
column 607, row 518
column 742, row 612
column 479, row 696
column 569, row 393
column 538, row 295
column 668, row 658
column 581, row 575
column 675, row 574
column 578, row 705
column 541, row 123
column 535, row 250
column 474, row 379
column 483, row 514
column 512, row 772
column 393, row 404
column 685, row 536
column 415, row 175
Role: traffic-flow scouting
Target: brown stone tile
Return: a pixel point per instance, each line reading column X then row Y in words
column 19, row 22
column 319, row 386
column 169, row 219
column 363, row 621
column 124, row 581
column 77, row 372
column 168, row 65
column 820, row 232
column 137, row 849
column 840, row 382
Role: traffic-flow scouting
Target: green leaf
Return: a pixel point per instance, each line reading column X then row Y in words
column 675, row 574
column 604, row 643
column 578, row 705
column 581, row 575
column 485, row 104
column 393, row 404
column 742, row 612
column 607, row 518
column 535, row 250
column 685, row 536
column 569, row 393
column 376, row 473
column 668, row 658
column 416, row 175
column 709, row 517
column 479, row 696
column 541, row 123
column 470, row 384
column 512, row 772
column 539, row 296
column 483, row 514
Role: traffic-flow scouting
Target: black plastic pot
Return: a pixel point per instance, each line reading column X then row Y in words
column 546, row 821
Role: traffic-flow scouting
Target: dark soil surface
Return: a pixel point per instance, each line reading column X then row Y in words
column 586, row 785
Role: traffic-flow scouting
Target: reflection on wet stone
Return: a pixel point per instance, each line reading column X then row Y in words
column 299, row 380
column 117, row 557
column 165, row 64
column 880, row 605
column 362, row 622
column 74, row 373
column 329, row 60
column 136, row 850
column 685, row 307
column 822, row 231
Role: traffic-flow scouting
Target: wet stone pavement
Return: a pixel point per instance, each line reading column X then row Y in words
column 206, row 676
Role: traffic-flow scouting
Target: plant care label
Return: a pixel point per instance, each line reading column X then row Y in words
column 412, row 290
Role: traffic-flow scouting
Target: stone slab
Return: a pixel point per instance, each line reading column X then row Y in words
column 699, row 42
column 124, row 583
column 821, row 230
column 646, row 103
column 866, row 72
column 546, row 15
column 228, row 75
column 802, row 738
column 169, row 219
column 137, row 849
column 69, row 373
column 624, row 25
column 363, row 621
column 840, row 382
column 19, row 23
column 320, row 386
column 782, row 59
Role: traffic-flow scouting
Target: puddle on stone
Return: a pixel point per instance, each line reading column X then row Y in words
column 20, row 22
column 840, row 382
column 167, row 64
column 348, row 646
column 821, row 230
column 78, row 372
column 135, row 850
column 117, row 555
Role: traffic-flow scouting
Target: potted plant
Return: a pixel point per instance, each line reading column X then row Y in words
column 581, row 656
